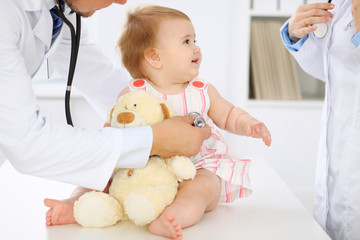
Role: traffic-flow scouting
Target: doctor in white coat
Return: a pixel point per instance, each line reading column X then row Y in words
column 335, row 59
column 32, row 142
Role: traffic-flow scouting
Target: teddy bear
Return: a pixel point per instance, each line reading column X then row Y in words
column 140, row 194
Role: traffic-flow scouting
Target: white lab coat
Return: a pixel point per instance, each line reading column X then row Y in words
column 335, row 60
column 32, row 142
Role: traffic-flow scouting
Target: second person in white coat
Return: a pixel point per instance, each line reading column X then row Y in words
column 334, row 59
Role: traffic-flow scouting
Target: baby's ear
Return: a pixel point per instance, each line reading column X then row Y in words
column 152, row 57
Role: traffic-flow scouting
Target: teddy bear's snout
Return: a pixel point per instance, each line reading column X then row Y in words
column 125, row 117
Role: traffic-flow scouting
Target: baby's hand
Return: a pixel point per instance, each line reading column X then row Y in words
column 258, row 129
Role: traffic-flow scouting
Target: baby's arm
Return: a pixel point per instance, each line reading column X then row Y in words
column 234, row 119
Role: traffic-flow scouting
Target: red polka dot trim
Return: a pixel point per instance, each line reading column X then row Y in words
column 138, row 83
column 198, row 84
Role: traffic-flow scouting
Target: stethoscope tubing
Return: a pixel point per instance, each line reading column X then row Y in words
column 75, row 43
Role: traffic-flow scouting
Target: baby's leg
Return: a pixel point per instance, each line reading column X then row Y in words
column 194, row 198
column 61, row 212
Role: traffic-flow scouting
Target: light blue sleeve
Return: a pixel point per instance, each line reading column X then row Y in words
column 289, row 44
column 356, row 39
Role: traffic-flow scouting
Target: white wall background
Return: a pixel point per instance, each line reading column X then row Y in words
column 222, row 29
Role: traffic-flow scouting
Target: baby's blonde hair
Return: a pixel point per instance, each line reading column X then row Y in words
column 140, row 32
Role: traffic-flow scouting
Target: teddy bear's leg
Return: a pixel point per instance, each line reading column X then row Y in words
column 145, row 204
column 182, row 167
column 97, row 209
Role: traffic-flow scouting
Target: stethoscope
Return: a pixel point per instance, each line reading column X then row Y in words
column 75, row 43
column 321, row 28
column 199, row 121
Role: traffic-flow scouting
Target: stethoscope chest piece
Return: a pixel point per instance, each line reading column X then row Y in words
column 199, row 121
column 321, row 30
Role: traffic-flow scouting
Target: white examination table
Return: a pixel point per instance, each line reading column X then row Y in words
column 271, row 212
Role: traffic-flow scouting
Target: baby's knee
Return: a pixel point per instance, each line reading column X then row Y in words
column 208, row 182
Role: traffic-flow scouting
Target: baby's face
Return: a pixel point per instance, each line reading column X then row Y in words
column 179, row 54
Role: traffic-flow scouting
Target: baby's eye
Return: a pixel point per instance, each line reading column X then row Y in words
column 187, row 41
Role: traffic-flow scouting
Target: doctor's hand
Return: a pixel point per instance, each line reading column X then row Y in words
column 355, row 10
column 177, row 136
column 302, row 22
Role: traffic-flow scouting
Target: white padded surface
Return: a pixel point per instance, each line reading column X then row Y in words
column 271, row 212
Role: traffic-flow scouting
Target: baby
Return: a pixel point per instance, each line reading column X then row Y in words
column 159, row 50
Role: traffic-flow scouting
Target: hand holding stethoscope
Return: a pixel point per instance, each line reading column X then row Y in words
column 310, row 18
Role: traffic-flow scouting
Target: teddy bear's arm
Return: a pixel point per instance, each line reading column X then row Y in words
column 182, row 167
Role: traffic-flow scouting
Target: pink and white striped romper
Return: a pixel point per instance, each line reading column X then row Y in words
column 214, row 155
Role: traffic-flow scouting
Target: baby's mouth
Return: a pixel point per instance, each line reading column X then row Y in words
column 195, row 60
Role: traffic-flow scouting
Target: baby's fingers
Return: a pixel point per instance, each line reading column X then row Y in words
column 266, row 136
column 267, row 140
column 254, row 129
column 258, row 127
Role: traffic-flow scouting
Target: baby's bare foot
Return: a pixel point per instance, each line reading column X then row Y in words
column 60, row 212
column 167, row 226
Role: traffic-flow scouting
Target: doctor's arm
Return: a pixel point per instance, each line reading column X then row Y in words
column 297, row 38
column 36, row 145
column 177, row 136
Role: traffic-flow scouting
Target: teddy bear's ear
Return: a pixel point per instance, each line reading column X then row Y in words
column 111, row 114
column 165, row 110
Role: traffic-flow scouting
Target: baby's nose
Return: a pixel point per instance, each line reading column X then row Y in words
column 125, row 117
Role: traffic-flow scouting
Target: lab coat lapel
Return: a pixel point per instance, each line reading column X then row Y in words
column 42, row 29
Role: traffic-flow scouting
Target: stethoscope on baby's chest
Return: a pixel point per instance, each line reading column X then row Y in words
column 75, row 43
